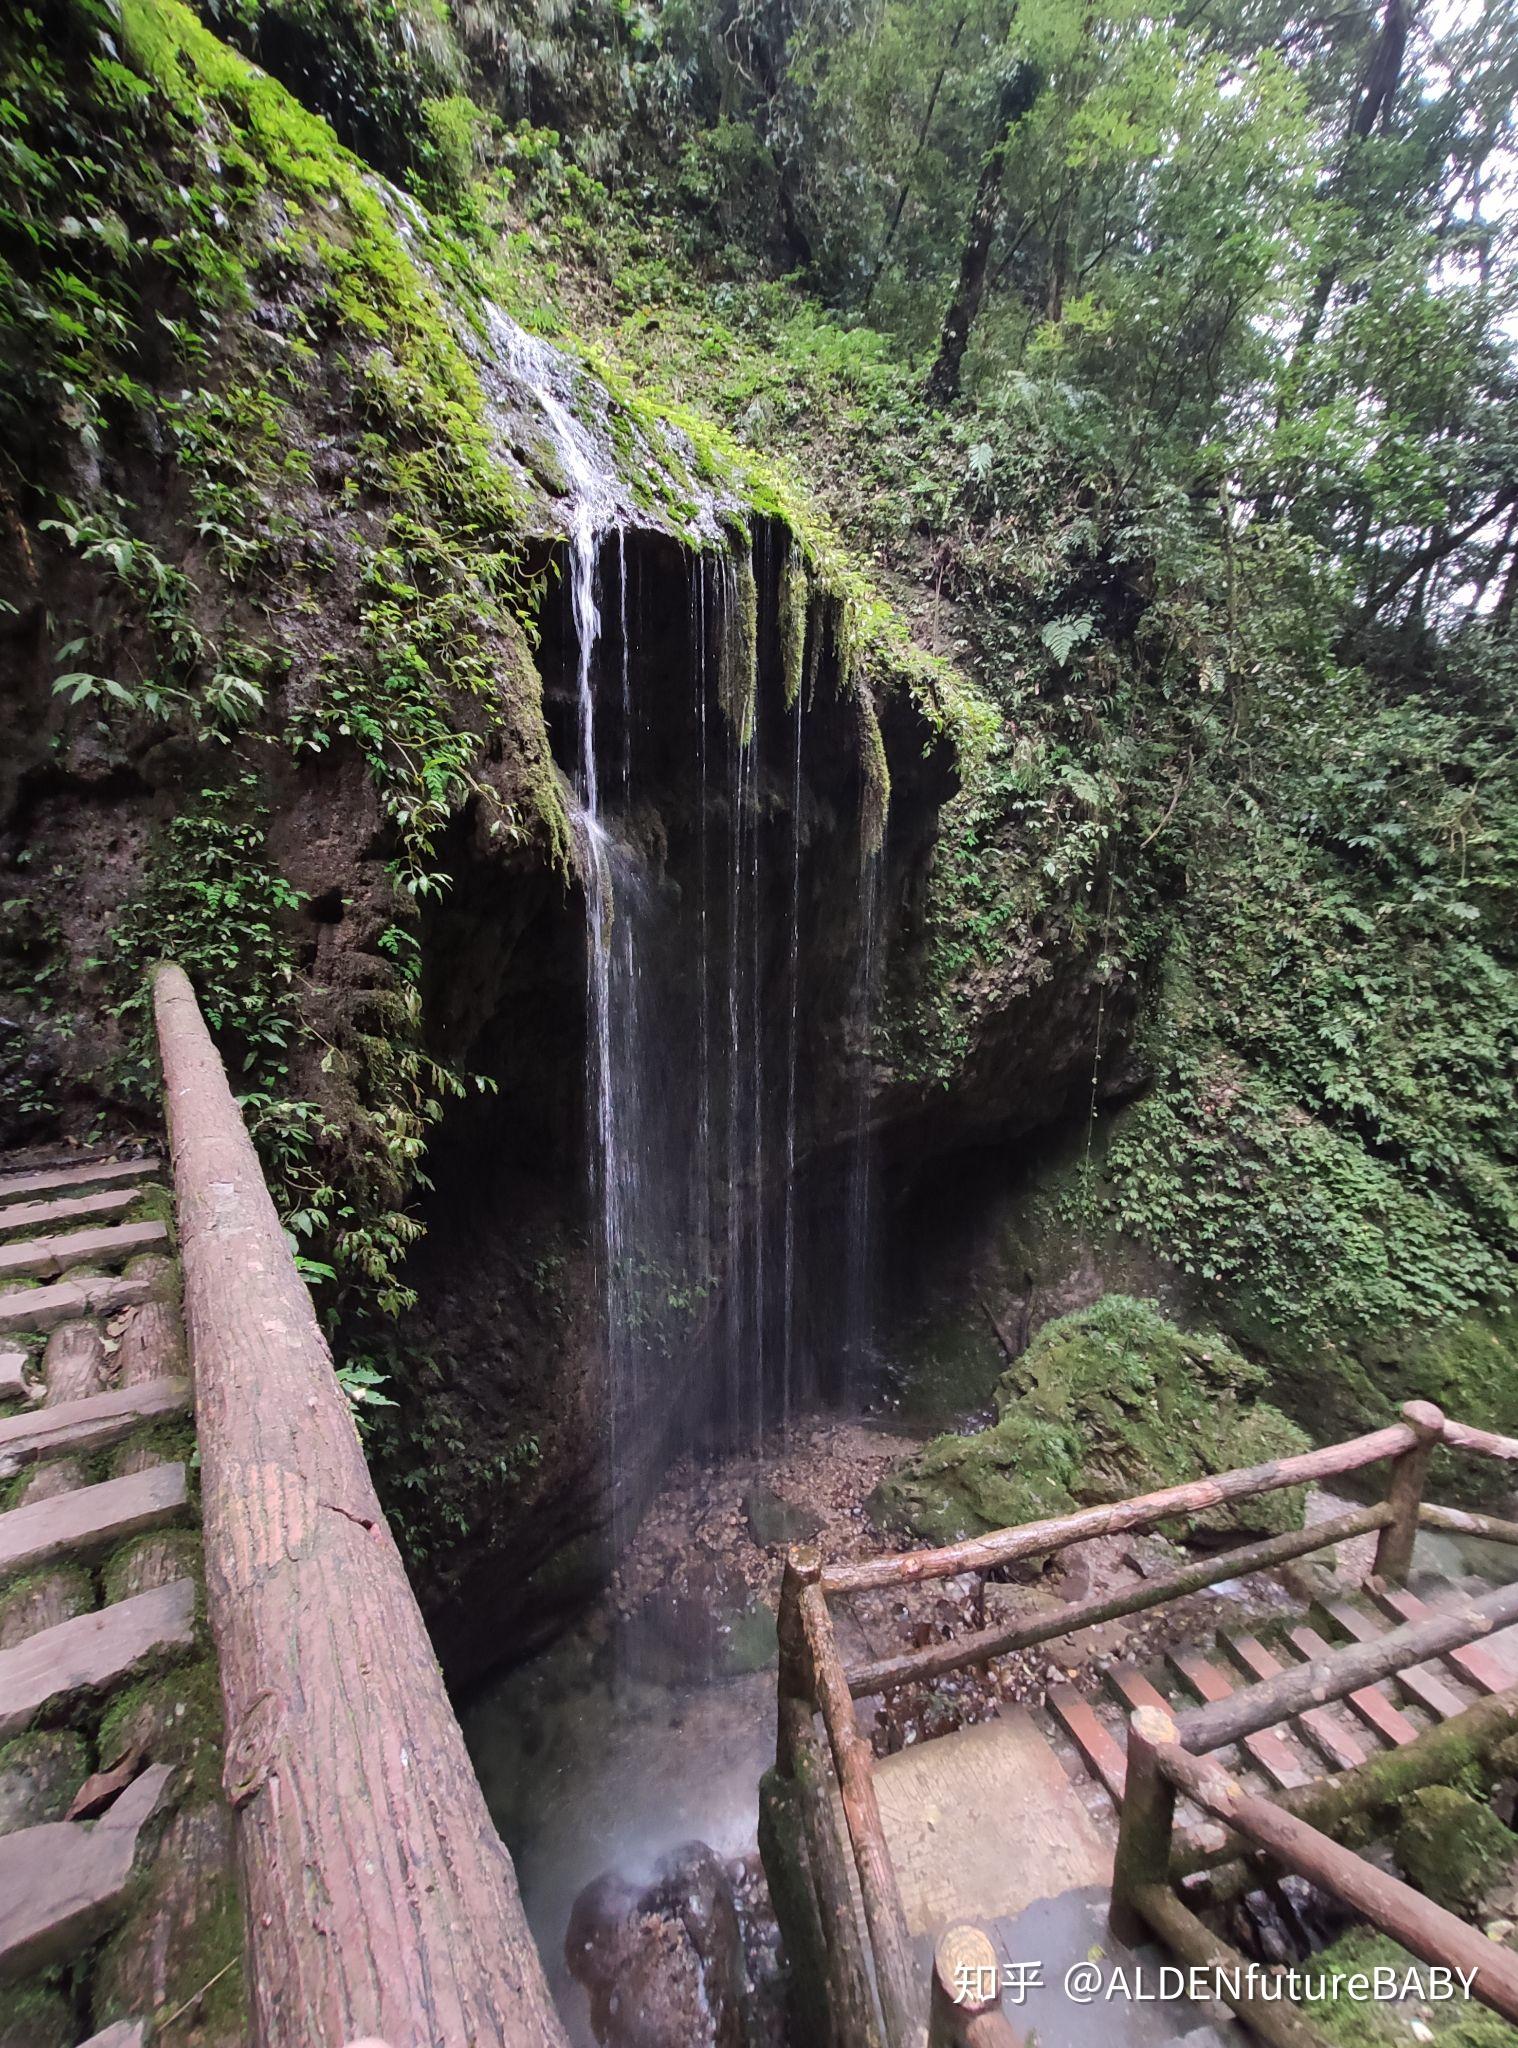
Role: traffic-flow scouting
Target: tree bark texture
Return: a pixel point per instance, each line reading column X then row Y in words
column 1020, row 90
column 379, row 1900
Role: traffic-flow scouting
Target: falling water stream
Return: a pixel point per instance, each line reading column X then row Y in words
column 696, row 1010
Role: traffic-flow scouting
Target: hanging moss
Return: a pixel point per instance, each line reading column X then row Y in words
column 738, row 663
column 795, row 601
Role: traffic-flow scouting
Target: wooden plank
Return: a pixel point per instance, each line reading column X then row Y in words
column 46, row 1258
column 94, row 1653
column 1477, row 1665
column 87, row 1425
column 62, row 1884
column 983, row 1822
column 84, row 1173
column 19, row 1219
column 1268, row 1748
column 1092, row 1737
column 1329, row 1736
column 43, row 1308
column 93, row 1518
column 1373, row 1703
column 1420, row 1682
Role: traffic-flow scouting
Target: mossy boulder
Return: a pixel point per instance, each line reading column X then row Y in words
column 1452, row 1847
column 1348, row 2022
column 1111, row 1401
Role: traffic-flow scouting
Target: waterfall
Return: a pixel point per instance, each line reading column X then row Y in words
column 859, row 1245
column 691, row 813
column 792, row 1054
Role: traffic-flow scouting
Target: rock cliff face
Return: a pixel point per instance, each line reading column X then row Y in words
column 302, row 547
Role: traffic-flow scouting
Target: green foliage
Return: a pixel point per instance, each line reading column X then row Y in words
column 1453, row 1847
column 213, row 902
column 1108, row 1402
column 1366, row 2023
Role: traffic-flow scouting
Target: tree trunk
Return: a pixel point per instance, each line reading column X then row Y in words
column 1021, row 89
column 380, row 1902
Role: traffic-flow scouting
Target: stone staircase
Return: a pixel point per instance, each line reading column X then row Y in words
column 114, row 1841
column 1320, row 1740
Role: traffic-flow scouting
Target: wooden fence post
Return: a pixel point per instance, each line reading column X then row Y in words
column 1404, row 1495
column 1143, row 1842
column 803, row 1568
column 966, row 1985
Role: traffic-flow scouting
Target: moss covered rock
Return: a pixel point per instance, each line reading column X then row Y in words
column 1111, row 1401
column 1452, row 1847
column 1366, row 2023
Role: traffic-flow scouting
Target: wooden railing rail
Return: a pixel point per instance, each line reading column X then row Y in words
column 1160, row 1765
column 1292, row 1691
column 1439, row 1756
column 814, row 1679
column 1460, row 1436
column 1197, row 1496
column 938, row 1658
column 379, row 1900
column 1462, row 1522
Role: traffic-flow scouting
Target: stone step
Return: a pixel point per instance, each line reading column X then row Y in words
column 62, row 1885
column 94, row 1653
column 77, row 1426
column 1270, row 1749
column 1420, row 1682
column 21, row 1218
column 93, row 1518
column 1095, row 1741
column 45, row 1258
column 1132, row 1689
column 983, row 1822
column 1372, row 1703
column 1329, row 1736
column 125, row 2034
column 80, row 1173
column 1475, row 1663
column 43, row 1308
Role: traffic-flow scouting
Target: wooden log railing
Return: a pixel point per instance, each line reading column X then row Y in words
column 1160, row 1765
column 815, row 1680
column 379, row 1900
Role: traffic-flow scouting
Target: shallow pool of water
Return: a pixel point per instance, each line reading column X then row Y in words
column 586, row 1768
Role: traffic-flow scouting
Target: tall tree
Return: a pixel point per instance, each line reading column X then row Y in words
column 1020, row 88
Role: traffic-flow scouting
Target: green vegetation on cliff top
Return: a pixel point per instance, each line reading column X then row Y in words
column 1138, row 388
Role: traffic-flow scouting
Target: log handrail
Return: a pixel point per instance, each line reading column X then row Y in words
column 936, row 1659
column 1487, row 1443
column 1197, row 1496
column 379, row 1901
column 1462, row 1522
column 1160, row 1765
column 895, row 1976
